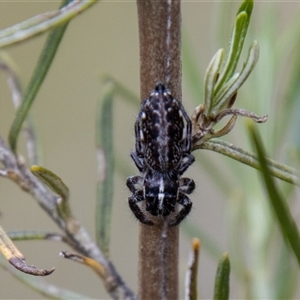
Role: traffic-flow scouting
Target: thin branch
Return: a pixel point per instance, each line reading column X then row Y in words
column 160, row 61
column 80, row 239
column 13, row 81
column 43, row 22
column 276, row 169
column 98, row 268
column 192, row 272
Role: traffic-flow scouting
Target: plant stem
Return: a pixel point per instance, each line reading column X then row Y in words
column 160, row 41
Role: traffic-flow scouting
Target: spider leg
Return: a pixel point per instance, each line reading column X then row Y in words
column 133, row 201
column 139, row 135
column 188, row 131
column 186, row 161
column 134, row 183
column 137, row 155
column 139, row 161
column 186, row 204
column 186, row 185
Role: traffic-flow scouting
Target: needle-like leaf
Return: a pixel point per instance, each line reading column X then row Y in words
column 105, row 157
column 222, row 279
column 283, row 214
column 236, row 43
column 56, row 185
column 38, row 76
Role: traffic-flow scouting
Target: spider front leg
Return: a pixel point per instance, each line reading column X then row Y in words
column 133, row 201
column 139, row 161
column 186, row 204
column 134, row 183
column 186, row 161
column 186, row 185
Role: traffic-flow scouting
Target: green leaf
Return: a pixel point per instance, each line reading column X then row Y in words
column 236, row 43
column 56, row 184
column 26, row 235
column 52, row 180
column 42, row 23
column 286, row 276
column 284, row 217
column 236, row 81
column 222, row 279
column 211, row 76
column 246, row 6
column 276, row 169
column 105, row 155
column 37, row 78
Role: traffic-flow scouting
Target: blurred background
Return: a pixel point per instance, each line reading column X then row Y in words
column 230, row 211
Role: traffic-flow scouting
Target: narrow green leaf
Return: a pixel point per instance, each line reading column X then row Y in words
column 236, row 43
column 224, row 95
column 276, row 169
column 52, row 180
column 235, row 49
column 236, row 81
column 286, row 277
column 26, row 235
column 284, row 217
column 38, row 76
column 105, row 155
column 56, row 184
column 211, row 76
column 42, row 23
column 246, row 6
column 222, row 288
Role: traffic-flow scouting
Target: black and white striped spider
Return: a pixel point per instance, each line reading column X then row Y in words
column 162, row 154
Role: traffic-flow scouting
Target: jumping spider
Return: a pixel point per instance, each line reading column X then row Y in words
column 162, row 154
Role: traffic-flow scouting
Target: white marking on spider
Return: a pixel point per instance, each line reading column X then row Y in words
column 142, row 135
column 161, row 193
column 184, row 131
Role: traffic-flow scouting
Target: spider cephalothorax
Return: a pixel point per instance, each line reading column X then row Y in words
column 162, row 154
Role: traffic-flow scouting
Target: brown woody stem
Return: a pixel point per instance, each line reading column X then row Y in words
column 160, row 41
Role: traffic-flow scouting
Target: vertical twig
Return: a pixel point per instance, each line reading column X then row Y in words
column 160, row 41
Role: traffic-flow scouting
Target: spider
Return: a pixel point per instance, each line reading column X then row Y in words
column 162, row 154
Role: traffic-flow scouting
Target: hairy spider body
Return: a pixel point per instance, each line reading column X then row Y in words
column 162, row 154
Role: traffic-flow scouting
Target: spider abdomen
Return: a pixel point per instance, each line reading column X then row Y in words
column 161, row 130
